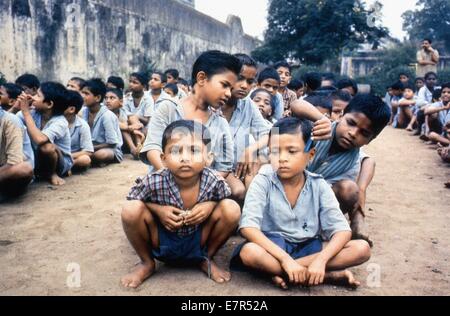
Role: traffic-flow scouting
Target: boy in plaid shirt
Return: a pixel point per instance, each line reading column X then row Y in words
column 180, row 214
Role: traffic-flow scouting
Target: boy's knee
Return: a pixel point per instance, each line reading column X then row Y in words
column 249, row 253
column 24, row 171
column 231, row 211
column 83, row 161
column 362, row 250
column 47, row 149
column 133, row 211
column 347, row 192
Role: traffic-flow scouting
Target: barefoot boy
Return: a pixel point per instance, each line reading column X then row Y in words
column 180, row 214
column 288, row 210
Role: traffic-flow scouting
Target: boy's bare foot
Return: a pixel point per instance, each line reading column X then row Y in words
column 409, row 129
column 141, row 273
column 359, row 228
column 424, row 137
column 279, row 282
column 218, row 275
column 341, row 278
column 56, row 180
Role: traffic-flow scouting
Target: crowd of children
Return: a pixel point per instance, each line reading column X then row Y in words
column 239, row 148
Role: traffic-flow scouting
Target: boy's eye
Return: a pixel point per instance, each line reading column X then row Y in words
column 351, row 122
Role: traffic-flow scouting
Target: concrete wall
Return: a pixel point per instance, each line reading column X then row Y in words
column 57, row 39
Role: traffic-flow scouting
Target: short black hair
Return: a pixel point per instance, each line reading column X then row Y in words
column 296, row 84
column 268, row 73
column 293, row 126
column 162, row 75
column 117, row 92
column 117, row 82
column 398, row 86
column 246, row 60
column 320, row 101
column 313, row 80
column 254, row 93
column 74, row 99
column 97, row 87
column 346, row 83
column 13, row 90
column 29, row 81
column 81, row 81
column 445, row 86
column 341, row 95
column 437, row 94
column 419, row 79
column 329, row 76
column 173, row 87
column 428, row 74
column 173, row 72
column 282, row 64
column 187, row 127
column 142, row 77
column 56, row 93
column 215, row 62
column 183, row 82
column 325, row 91
column 429, row 40
column 410, row 86
column 403, row 74
column 374, row 108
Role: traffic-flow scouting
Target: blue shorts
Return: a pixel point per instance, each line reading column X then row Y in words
column 295, row 250
column 174, row 249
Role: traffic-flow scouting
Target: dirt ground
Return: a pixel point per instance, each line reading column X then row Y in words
column 51, row 230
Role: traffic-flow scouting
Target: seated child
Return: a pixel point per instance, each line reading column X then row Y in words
column 180, row 214
column 285, row 71
column 137, row 103
column 396, row 94
column 288, row 211
column 29, row 84
column 269, row 79
column 157, row 82
column 298, row 87
column 419, row 82
column 75, row 84
column 80, row 133
column 173, row 76
column 48, row 130
column 115, row 82
column 338, row 158
column 438, row 112
column 171, row 89
column 248, row 129
column 214, row 73
column 340, row 100
column 9, row 92
column 264, row 101
column 133, row 139
column 444, row 139
column 104, row 124
column 406, row 107
column 15, row 172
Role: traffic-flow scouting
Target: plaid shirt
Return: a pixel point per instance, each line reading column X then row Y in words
column 289, row 97
column 160, row 188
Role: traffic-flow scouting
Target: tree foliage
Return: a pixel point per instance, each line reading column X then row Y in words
column 430, row 20
column 317, row 30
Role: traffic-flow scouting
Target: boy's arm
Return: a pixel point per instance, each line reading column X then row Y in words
column 322, row 125
column 13, row 146
column 103, row 146
column 35, row 133
column 436, row 109
column 81, row 153
column 404, row 102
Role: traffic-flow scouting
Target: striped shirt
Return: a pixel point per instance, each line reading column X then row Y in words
column 160, row 188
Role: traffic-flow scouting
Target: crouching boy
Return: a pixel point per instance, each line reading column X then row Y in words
column 180, row 214
column 289, row 212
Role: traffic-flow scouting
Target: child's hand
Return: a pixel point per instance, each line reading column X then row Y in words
column 24, row 102
column 322, row 129
column 200, row 213
column 246, row 165
column 316, row 272
column 170, row 218
column 296, row 272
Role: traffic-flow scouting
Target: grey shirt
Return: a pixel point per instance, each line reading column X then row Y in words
column 315, row 214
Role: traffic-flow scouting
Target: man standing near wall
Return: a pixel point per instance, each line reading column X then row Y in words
column 427, row 58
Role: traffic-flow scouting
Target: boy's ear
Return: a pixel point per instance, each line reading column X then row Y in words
column 98, row 98
column 49, row 104
column 312, row 154
column 201, row 78
column 163, row 159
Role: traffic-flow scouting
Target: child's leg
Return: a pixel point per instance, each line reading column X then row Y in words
column 103, row 156
column 142, row 232
column 49, row 157
column 129, row 142
column 411, row 124
column 347, row 193
column 238, row 189
column 216, row 230
column 81, row 162
column 439, row 139
column 16, row 179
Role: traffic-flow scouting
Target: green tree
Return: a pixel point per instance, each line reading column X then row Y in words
column 430, row 20
column 317, row 30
